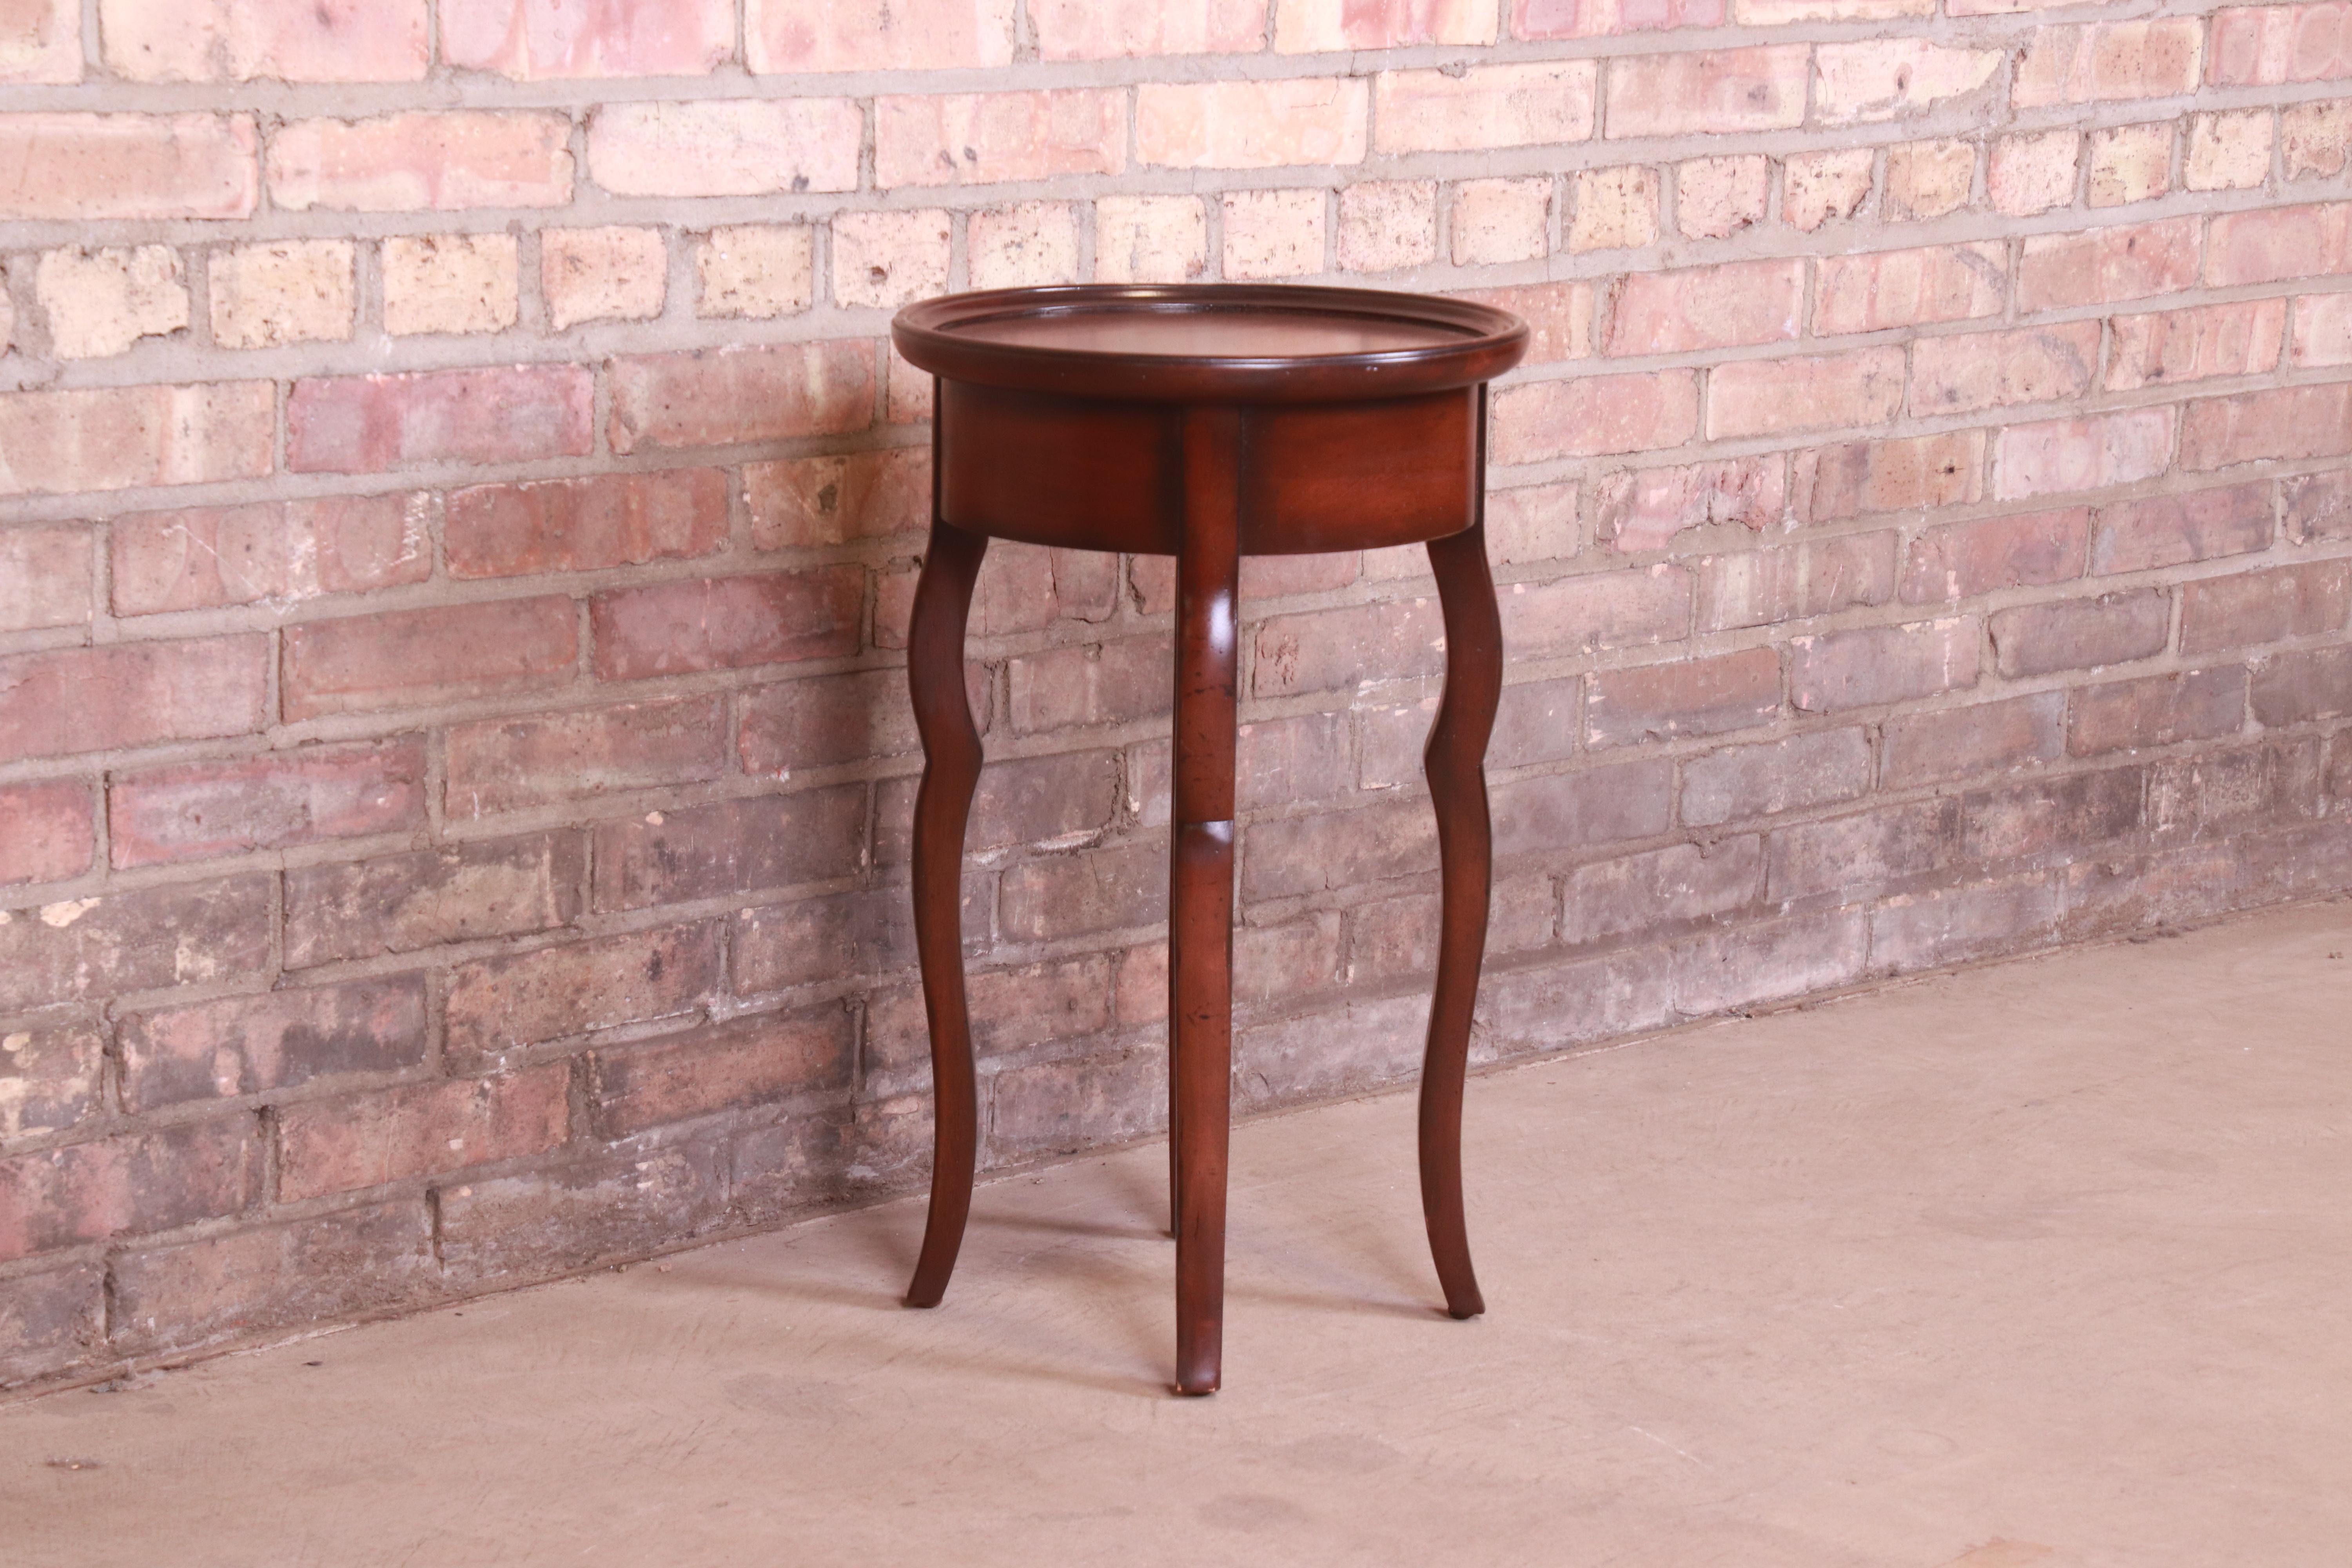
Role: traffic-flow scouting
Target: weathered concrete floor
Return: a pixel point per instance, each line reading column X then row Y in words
column 2047, row 1263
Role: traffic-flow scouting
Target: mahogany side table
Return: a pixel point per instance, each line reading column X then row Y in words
column 1207, row 422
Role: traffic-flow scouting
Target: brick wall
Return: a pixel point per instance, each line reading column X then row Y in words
column 460, row 510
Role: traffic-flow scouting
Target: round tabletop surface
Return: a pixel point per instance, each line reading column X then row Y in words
column 1210, row 342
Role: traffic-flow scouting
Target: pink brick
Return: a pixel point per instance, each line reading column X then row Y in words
column 1273, row 234
column 286, row 40
column 1705, row 308
column 130, row 694
column 1531, row 522
column 1495, row 221
column 1692, row 696
column 1715, row 198
column 1112, row 683
column 2286, row 422
column 400, row 903
column 2310, row 599
column 1595, row 414
column 2170, row 346
column 2317, row 507
column 503, row 1003
column 2292, row 687
column 844, row 717
column 365, row 424
column 2081, row 633
column 1027, row 245
column 41, row 42
column 1852, row 571
column 1816, row 768
column 1818, row 186
column 1251, row 124
column 1885, row 288
column 726, row 147
column 205, row 557
column 553, row 39
column 2134, row 163
column 249, row 1045
column 1724, row 91
column 1857, row 478
column 2314, row 139
column 1558, row 317
column 2268, row 45
column 1646, row 509
column 1601, row 18
column 877, row 35
column 2323, row 329
column 133, row 1182
column 136, row 940
column 1385, row 224
column 2107, row 265
column 731, row 847
column 112, row 439
column 2030, row 174
column 1622, row 608
column 1317, row 26
column 95, row 168
column 1985, row 737
column 338, row 1146
column 726, row 623
column 46, row 834
column 1484, row 106
column 1884, row 79
column 1993, row 370
column 718, row 397
column 2084, row 454
column 1963, row 560
column 2166, row 531
column 2160, row 711
column 1112, row 29
column 503, row 765
column 46, row 576
column 585, row 525
column 978, row 139
column 748, row 1061
column 423, row 163
column 1928, row 179
column 1325, row 651
column 2273, row 243
column 401, row 659
column 801, row 502
column 2098, row 61
column 269, row 802
column 1150, row 239
column 1758, row 397
column 1772, row 13
column 1861, row 669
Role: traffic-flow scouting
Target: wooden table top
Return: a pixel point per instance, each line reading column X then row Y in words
column 1210, row 342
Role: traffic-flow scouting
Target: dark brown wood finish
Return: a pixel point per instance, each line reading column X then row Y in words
column 942, row 807
column 1208, row 422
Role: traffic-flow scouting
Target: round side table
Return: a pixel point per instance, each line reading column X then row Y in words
column 1207, row 422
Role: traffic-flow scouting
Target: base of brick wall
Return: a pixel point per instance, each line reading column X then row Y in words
column 99, row 1315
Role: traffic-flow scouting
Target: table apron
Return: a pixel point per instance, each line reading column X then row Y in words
column 1094, row 474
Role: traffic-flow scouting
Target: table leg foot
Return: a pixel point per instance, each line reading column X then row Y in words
column 1454, row 761
column 952, row 758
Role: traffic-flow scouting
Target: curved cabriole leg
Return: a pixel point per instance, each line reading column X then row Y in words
column 950, row 771
column 1455, row 761
column 1201, row 887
